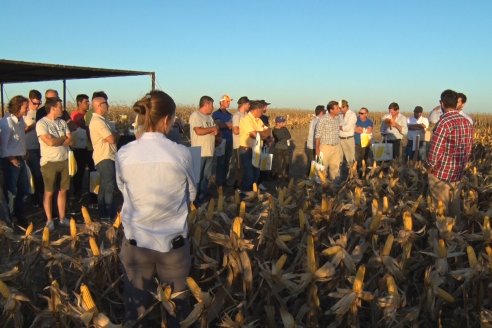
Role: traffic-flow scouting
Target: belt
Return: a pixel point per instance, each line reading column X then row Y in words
column 244, row 148
column 346, row 137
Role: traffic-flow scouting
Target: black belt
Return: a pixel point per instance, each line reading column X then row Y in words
column 346, row 137
column 244, row 148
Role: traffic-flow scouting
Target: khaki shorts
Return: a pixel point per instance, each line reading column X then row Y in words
column 53, row 172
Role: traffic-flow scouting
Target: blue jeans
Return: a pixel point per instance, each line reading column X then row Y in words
column 205, row 173
column 223, row 165
column 250, row 173
column 17, row 184
column 107, row 184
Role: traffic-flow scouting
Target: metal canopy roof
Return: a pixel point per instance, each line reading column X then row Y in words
column 18, row 71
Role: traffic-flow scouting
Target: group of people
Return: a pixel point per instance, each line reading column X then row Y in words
column 338, row 136
column 228, row 141
column 35, row 144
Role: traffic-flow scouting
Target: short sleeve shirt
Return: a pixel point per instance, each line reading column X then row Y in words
column 236, row 118
column 249, row 124
column 56, row 128
column 206, row 142
column 100, row 129
column 363, row 124
column 224, row 117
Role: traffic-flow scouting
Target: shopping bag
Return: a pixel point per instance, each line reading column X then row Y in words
column 382, row 151
column 316, row 165
column 72, row 164
column 256, row 152
column 30, row 179
column 365, row 139
column 266, row 160
column 94, row 181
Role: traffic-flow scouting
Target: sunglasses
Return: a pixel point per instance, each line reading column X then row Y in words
column 36, row 103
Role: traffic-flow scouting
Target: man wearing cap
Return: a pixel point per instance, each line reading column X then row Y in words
column 223, row 119
column 394, row 127
column 236, row 168
column 417, row 125
column 327, row 140
column 348, row 119
column 202, row 134
column 249, row 127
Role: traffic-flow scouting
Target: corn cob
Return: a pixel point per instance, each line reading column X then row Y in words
column 73, row 228
column 195, row 289
column 374, row 207
column 255, row 187
column 441, row 209
column 441, row 249
column 302, row 219
column 242, row 209
column 357, row 196
column 391, row 285
column 444, row 295
column 311, row 257
column 117, row 221
column 237, row 226
column 359, row 279
column 29, row 229
column 472, row 257
column 407, row 221
column 387, row 245
column 87, row 297
column 376, row 220
column 210, row 209
column 4, row 290
column 324, row 204
column 385, row 204
column 331, row 250
column 46, row 237
column 86, row 215
column 280, row 263
column 94, row 247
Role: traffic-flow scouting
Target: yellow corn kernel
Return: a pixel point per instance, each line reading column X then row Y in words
column 359, row 279
column 46, row 237
column 29, row 229
column 388, row 245
column 87, row 297
column 86, row 215
column 73, row 228
column 4, row 290
column 94, row 247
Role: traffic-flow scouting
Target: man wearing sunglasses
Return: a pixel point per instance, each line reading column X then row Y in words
column 363, row 125
column 32, row 145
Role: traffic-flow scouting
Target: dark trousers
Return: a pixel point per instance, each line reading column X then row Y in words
column 396, row 148
column 363, row 153
column 107, row 185
column 141, row 264
column 281, row 162
column 310, row 153
column 236, row 171
column 82, row 159
column 250, row 173
column 223, row 165
column 17, row 186
column 409, row 153
column 33, row 161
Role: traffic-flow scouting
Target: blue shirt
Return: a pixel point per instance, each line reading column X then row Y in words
column 363, row 124
column 224, row 116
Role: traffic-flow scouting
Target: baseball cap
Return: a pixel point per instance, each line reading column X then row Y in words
column 243, row 100
column 279, row 119
column 225, row 98
column 264, row 103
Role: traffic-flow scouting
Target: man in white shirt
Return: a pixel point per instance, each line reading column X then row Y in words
column 54, row 139
column 13, row 149
column 32, row 145
column 348, row 119
column 461, row 105
column 202, row 133
column 242, row 110
column 394, row 128
column 104, row 140
column 417, row 125
column 319, row 111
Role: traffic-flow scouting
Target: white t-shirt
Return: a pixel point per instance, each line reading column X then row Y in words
column 412, row 134
column 207, row 142
column 56, row 129
column 236, row 118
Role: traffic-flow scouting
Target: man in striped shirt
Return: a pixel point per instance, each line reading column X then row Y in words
column 450, row 149
column 327, row 139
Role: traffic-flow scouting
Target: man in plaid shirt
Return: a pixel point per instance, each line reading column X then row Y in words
column 450, row 149
column 327, row 140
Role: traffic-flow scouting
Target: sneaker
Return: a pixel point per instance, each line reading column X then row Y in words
column 64, row 223
column 50, row 225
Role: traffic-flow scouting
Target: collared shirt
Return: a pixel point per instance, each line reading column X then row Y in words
column 32, row 141
column 451, row 147
column 100, row 128
column 224, row 116
column 155, row 176
column 412, row 134
column 363, row 124
column 468, row 117
column 392, row 133
column 328, row 130
column 347, row 121
column 207, row 141
column 249, row 124
column 56, row 128
column 236, row 119
column 312, row 128
column 12, row 136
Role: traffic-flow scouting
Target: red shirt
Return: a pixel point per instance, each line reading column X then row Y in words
column 78, row 118
column 451, row 147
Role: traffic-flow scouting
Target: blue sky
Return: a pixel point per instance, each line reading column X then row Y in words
column 295, row 54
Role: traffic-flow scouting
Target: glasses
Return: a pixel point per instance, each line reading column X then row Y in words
column 36, row 103
column 362, row 113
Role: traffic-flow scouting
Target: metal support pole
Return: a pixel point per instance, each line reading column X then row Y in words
column 65, row 94
column 1, row 91
column 153, row 80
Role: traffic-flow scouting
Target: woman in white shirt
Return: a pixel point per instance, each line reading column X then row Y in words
column 156, row 178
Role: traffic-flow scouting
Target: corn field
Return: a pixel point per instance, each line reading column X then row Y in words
column 373, row 252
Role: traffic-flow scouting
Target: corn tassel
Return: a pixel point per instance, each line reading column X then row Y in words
column 86, row 215
column 46, row 237
column 73, row 228
column 359, row 279
column 4, row 290
column 94, row 247
column 87, row 297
